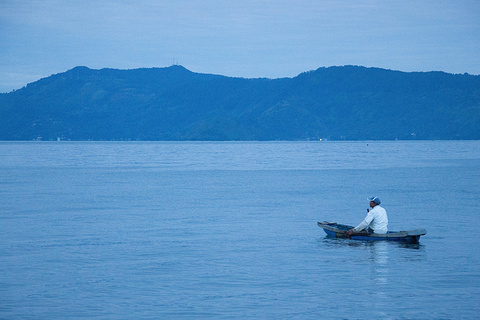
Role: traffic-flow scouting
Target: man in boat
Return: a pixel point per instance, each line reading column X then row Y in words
column 376, row 220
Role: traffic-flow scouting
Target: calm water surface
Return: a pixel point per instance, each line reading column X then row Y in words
column 201, row 230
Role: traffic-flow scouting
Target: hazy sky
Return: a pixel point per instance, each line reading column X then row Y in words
column 244, row 38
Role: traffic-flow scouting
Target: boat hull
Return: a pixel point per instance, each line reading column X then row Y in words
column 340, row 231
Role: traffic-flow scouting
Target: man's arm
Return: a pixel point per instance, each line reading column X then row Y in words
column 363, row 225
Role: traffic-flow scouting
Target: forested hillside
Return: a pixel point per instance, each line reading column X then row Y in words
column 354, row 103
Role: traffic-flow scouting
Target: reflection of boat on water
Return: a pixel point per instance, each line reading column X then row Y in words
column 340, row 231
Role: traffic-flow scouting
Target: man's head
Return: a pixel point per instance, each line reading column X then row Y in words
column 375, row 201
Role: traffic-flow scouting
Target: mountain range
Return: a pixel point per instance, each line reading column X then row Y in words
column 173, row 103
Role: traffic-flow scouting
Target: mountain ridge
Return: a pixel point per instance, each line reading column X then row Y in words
column 174, row 103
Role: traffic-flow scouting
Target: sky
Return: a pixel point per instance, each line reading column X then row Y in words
column 240, row 38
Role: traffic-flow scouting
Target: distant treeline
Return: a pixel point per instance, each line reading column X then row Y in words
column 336, row 103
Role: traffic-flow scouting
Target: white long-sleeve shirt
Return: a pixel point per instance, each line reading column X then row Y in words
column 376, row 220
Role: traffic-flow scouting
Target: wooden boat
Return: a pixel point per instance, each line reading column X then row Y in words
column 340, row 231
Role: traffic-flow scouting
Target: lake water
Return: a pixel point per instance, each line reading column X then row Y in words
column 227, row 230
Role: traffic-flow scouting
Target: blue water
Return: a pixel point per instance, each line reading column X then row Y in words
column 210, row 230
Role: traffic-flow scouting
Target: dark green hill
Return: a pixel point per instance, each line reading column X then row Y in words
column 174, row 103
